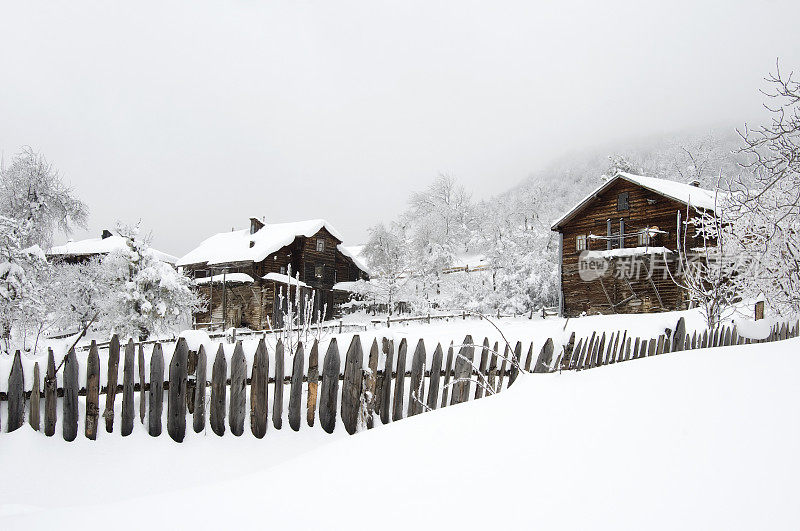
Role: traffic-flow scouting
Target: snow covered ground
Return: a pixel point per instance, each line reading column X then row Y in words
column 705, row 439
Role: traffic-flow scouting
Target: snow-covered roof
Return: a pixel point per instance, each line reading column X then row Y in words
column 682, row 192
column 284, row 279
column 356, row 254
column 627, row 251
column 230, row 278
column 345, row 286
column 100, row 246
column 235, row 246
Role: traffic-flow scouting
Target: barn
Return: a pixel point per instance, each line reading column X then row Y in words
column 619, row 245
column 249, row 276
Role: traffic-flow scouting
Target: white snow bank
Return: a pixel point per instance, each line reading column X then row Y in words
column 195, row 338
column 230, row 278
column 627, row 251
column 285, row 279
column 345, row 286
column 705, row 439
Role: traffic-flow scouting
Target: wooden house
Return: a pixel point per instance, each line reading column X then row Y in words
column 619, row 246
column 248, row 276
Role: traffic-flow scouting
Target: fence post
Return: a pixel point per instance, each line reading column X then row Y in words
column 238, row 383
column 259, row 395
column 142, row 396
column 463, row 371
column 50, row 395
column 372, row 380
column 199, row 418
column 126, row 423
column 679, row 337
column 313, row 379
column 481, row 368
column 92, row 392
column 416, row 397
column 386, row 381
column 436, row 374
column 16, row 394
column 277, row 401
column 329, row 393
column 218, row 387
column 399, row 382
column 70, row 411
column 156, row 394
column 111, row 386
column 35, row 397
column 296, row 387
column 517, row 359
column 351, row 385
column 176, row 398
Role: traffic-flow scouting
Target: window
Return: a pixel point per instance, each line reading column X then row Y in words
column 644, row 238
column 319, row 270
column 320, row 245
column 283, row 270
column 580, row 242
column 622, row 201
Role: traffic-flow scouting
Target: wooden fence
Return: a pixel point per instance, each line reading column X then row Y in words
column 336, row 389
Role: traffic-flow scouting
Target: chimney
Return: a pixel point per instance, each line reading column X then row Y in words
column 695, row 183
column 106, row 234
column 255, row 225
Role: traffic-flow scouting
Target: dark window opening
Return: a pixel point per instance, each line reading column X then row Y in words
column 622, row 201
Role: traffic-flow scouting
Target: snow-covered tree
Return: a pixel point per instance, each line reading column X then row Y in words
column 32, row 192
column 765, row 209
column 146, row 295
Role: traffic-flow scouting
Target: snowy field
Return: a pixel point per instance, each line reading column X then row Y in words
column 705, row 439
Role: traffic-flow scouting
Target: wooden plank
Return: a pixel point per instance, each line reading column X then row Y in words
column 92, row 392
column 436, row 374
column 491, row 378
column 296, row 388
column 16, row 394
column 313, row 382
column 176, row 395
column 216, row 411
column 643, row 348
column 142, row 395
column 448, row 369
column 576, row 354
column 636, row 349
column 238, row 383
column 610, row 347
column 372, row 383
column 69, row 426
column 399, row 381
column 529, row 357
column 628, row 349
column 621, row 351
column 660, row 345
column 545, row 357
column 679, row 336
column 481, row 368
column 199, row 415
column 329, row 391
column 126, row 424
column 727, row 341
column 36, row 395
column 597, row 359
column 351, row 385
column 462, row 371
column 277, row 399
column 517, row 357
column 50, row 395
column 155, row 396
column 651, row 348
column 567, row 352
column 386, row 382
column 416, row 398
column 259, row 395
column 502, row 372
column 112, row 380
column 587, row 359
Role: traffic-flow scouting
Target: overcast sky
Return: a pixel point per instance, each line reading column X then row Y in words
column 195, row 115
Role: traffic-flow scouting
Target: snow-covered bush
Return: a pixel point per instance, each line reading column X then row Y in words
column 145, row 295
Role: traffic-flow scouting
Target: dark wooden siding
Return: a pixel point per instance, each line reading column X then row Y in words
column 647, row 209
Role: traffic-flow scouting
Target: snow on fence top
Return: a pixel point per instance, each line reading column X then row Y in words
column 685, row 193
column 100, row 246
column 242, row 246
